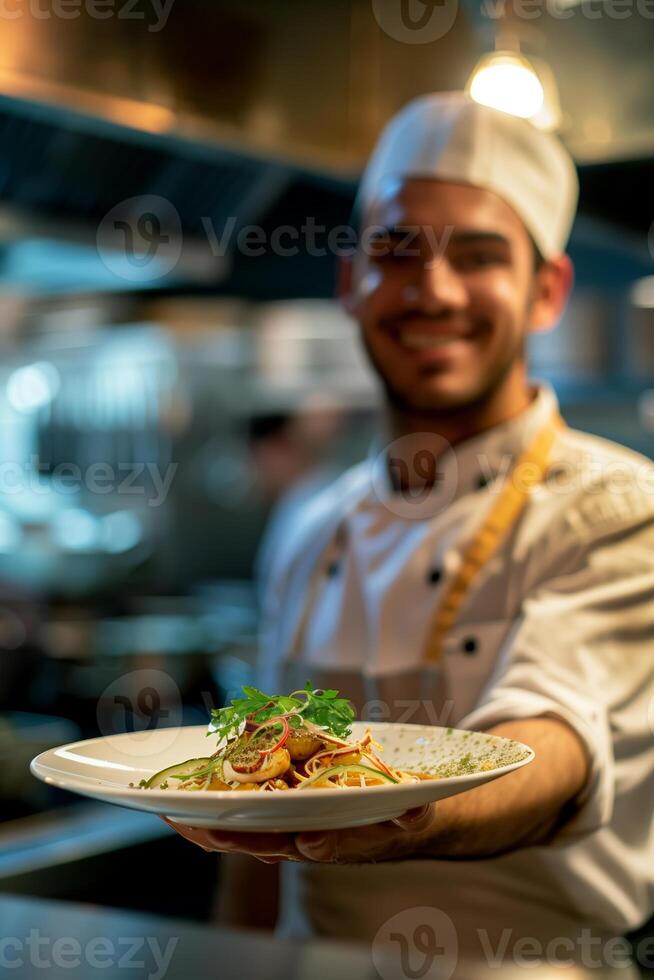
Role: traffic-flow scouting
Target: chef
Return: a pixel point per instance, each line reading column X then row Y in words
column 486, row 567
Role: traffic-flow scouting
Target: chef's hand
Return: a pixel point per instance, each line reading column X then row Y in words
column 388, row 841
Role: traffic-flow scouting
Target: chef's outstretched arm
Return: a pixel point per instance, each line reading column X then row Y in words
column 517, row 810
column 521, row 809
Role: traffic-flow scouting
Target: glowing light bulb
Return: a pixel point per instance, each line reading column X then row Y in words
column 506, row 81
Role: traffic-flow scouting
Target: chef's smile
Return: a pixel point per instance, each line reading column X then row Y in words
column 432, row 346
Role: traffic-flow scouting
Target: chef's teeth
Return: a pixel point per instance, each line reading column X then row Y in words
column 422, row 342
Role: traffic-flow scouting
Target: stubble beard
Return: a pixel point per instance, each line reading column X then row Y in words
column 449, row 408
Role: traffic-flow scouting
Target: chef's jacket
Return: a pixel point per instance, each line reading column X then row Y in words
column 560, row 622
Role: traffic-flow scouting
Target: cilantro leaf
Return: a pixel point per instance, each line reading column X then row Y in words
column 323, row 708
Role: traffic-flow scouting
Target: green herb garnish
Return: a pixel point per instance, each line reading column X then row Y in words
column 321, row 707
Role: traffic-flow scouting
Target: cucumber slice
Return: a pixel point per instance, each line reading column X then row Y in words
column 353, row 767
column 181, row 769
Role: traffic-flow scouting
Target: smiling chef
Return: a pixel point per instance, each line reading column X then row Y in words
column 486, row 567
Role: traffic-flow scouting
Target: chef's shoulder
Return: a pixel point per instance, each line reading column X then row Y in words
column 599, row 488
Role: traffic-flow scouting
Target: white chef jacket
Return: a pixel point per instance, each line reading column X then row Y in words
column 559, row 622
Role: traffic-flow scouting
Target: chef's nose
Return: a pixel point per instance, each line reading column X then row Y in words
column 437, row 287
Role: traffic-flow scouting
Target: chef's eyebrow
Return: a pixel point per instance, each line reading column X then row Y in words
column 479, row 238
column 409, row 233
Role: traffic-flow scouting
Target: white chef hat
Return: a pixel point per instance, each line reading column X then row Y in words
column 447, row 136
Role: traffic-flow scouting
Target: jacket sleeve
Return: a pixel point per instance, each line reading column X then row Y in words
column 583, row 651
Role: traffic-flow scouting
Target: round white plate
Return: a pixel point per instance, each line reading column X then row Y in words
column 102, row 768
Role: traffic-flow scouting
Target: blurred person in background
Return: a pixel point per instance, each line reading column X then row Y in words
column 293, row 454
column 482, row 567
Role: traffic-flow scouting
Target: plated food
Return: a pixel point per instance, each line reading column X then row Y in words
column 298, row 741
column 187, row 778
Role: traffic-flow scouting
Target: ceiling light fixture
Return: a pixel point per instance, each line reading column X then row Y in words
column 505, row 79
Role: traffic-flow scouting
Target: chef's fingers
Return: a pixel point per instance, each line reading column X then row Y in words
column 377, row 842
column 417, row 819
column 357, row 844
column 321, row 846
column 258, row 845
column 197, row 835
column 267, row 847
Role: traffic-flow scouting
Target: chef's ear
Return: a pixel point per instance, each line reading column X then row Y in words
column 345, row 284
column 552, row 286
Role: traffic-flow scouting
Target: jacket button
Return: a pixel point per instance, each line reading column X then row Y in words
column 470, row 645
column 434, row 576
column 482, row 481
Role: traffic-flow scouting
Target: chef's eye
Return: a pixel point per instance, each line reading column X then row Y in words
column 394, row 251
column 479, row 259
column 392, row 255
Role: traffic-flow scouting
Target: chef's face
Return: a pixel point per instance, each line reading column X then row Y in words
column 446, row 287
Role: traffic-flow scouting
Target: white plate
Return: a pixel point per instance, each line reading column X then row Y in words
column 103, row 768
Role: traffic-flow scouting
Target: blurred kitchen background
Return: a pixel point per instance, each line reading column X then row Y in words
column 163, row 387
